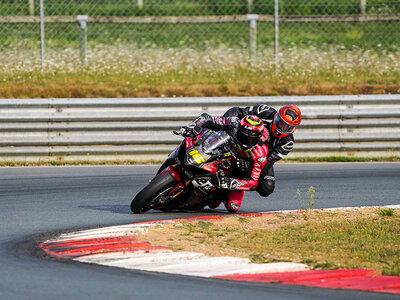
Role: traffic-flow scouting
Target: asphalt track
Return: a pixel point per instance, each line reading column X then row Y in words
column 36, row 203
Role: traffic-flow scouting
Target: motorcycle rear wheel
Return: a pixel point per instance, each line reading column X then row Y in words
column 155, row 189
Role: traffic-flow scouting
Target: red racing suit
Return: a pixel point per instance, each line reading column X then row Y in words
column 257, row 155
column 278, row 147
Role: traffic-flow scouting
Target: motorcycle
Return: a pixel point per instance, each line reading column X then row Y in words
column 190, row 177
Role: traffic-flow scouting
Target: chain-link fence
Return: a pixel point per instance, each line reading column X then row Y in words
column 115, row 29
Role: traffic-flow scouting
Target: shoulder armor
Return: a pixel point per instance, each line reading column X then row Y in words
column 264, row 112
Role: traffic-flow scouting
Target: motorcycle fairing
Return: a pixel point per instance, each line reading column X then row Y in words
column 209, row 151
column 204, row 183
column 196, row 160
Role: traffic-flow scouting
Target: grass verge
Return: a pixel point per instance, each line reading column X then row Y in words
column 128, row 71
column 343, row 159
column 204, row 84
column 360, row 238
column 74, row 163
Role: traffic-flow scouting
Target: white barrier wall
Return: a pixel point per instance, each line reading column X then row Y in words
column 141, row 129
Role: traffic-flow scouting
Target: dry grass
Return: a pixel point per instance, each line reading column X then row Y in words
column 115, row 86
column 365, row 238
column 128, row 71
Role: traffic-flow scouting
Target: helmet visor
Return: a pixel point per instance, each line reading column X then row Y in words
column 248, row 138
column 282, row 127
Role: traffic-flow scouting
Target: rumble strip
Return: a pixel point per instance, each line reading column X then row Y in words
column 118, row 246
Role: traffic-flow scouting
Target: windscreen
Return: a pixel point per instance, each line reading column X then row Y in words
column 216, row 143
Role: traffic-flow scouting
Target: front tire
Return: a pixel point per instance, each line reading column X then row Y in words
column 155, row 189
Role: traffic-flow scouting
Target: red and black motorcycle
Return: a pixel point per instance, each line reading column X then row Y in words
column 190, row 177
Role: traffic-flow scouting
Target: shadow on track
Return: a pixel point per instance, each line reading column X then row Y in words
column 117, row 209
column 125, row 209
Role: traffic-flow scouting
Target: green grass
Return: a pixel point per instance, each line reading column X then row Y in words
column 382, row 36
column 386, row 212
column 198, row 7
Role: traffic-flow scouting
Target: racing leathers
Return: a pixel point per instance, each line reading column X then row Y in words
column 254, row 158
column 278, row 147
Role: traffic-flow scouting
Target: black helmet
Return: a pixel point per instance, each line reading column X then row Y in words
column 250, row 130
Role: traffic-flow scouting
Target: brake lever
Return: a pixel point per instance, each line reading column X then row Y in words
column 180, row 132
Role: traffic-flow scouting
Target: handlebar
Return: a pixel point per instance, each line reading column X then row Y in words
column 187, row 131
column 180, row 132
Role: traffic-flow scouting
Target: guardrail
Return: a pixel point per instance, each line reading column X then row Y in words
column 141, row 129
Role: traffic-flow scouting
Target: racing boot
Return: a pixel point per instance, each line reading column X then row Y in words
column 214, row 204
column 234, row 201
column 217, row 199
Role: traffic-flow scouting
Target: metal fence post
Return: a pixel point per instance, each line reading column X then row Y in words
column 276, row 34
column 31, row 8
column 82, row 21
column 41, row 4
column 363, row 5
column 252, row 35
column 249, row 6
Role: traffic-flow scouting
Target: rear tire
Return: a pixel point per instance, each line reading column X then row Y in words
column 161, row 184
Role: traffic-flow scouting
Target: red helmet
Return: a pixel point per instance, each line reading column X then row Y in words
column 286, row 120
column 250, row 130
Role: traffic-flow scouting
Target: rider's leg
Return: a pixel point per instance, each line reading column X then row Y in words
column 266, row 183
column 232, row 204
column 217, row 198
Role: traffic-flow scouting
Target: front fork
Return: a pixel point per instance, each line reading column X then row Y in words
column 181, row 185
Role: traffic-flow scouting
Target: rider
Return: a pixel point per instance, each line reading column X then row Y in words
column 280, row 125
column 247, row 132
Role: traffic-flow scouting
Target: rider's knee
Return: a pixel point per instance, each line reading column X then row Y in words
column 266, row 186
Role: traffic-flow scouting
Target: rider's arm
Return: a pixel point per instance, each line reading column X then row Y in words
column 283, row 148
column 238, row 112
column 259, row 157
column 211, row 122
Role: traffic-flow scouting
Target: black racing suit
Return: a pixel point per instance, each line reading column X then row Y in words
column 278, row 147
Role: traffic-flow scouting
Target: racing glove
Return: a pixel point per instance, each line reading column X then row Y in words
column 190, row 130
column 242, row 164
column 227, row 183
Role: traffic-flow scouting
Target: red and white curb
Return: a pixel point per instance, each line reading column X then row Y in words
column 118, row 246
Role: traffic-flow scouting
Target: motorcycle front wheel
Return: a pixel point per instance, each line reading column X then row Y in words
column 147, row 198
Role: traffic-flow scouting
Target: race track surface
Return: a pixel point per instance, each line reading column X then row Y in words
column 36, row 203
